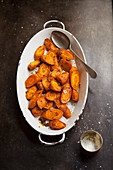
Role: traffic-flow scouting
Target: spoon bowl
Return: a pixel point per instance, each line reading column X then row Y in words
column 61, row 41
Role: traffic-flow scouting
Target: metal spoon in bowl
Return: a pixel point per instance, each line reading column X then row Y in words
column 61, row 41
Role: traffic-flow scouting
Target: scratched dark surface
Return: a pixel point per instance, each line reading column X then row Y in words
column 90, row 21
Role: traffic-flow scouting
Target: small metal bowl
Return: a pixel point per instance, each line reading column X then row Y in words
column 91, row 142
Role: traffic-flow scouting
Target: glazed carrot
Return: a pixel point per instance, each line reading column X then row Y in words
column 52, row 114
column 36, row 111
column 73, row 69
column 33, row 65
column 75, row 95
column 31, row 92
column 63, row 107
column 41, row 102
column 39, row 52
column 57, row 124
column 56, row 67
column 46, row 84
column 50, row 58
column 31, row 80
column 66, row 93
column 74, row 78
column 50, row 78
column 52, row 54
column 50, row 46
column 44, row 70
column 65, row 54
column 34, row 99
column 66, row 111
column 48, row 105
column 55, row 86
column 40, row 85
column 51, row 95
column 65, row 65
column 63, row 78
column 55, row 73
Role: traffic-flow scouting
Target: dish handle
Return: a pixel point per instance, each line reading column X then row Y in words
column 51, row 143
column 54, row 21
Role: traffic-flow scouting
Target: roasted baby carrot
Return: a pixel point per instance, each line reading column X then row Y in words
column 39, row 52
column 50, row 58
column 52, row 114
column 51, row 95
column 46, row 84
column 31, row 92
column 66, row 93
column 34, row 99
column 36, row 111
column 63, row 78
column 57, row 124
column 54, row 85
column 33, row 65
column 74, row 78
column 44, row 70
column 41, row 102
column 55, row 73
column 50, row 46
column 40, row 85
column 63, row 107
column 75, row 95
column 31, row 80
column 49, row 104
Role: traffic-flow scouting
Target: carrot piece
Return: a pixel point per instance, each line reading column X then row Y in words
column 31, row 80
column 73, row 69
column 46, row 84
column 50, row 46
column 33, row 65
column 65, row 54
column 44, row 70
column 40, row 86
column 63, row 78
column 48, row 105
column 75, row 95
column 41, row 102
column 50, row 78
column 47, row 59
column 50, row 58
column 55, row 86
column 66, row 93
column 34, row 99
column 63, row 107
column 57, row 124
column 52, row 54
column 56, row 67
column 31, row 92
column 74, row 78
column 51, row 95
column 55, row 73
column 52, row 114
column 36, row 111
column 39, row 52
column 66, row 111
column 65, row 65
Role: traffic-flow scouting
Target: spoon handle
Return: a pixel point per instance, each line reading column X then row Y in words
column 90, row 71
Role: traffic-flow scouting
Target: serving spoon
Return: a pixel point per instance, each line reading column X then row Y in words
column 61, row 41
